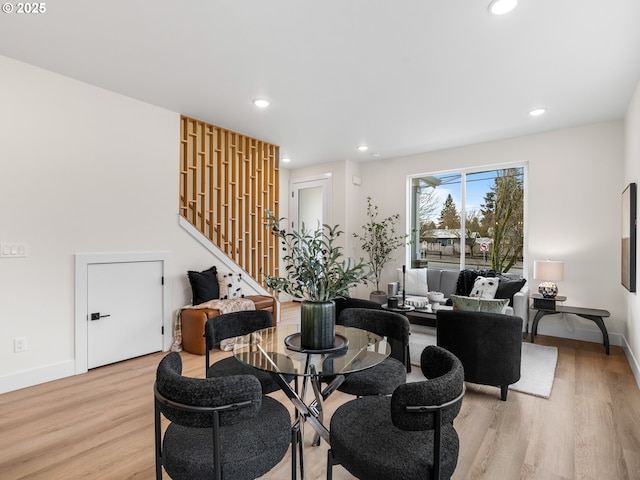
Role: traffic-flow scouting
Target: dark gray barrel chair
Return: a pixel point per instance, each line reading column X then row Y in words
column 408, row 435
column 381, row 379
column 232, row 325
column 489, row 345
column 221, row 428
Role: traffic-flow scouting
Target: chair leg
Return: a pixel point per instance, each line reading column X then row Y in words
column 330, row 463
column 504, row 389
column 295, row 431
column 158, row 440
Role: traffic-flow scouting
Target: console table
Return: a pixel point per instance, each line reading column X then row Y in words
column 594, row 314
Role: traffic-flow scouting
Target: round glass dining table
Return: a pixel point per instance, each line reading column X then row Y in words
column 277, row 350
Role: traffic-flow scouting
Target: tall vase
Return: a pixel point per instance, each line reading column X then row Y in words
column 317, row 325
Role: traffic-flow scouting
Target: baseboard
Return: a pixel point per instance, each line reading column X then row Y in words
column 633, row 361
column 29, row 378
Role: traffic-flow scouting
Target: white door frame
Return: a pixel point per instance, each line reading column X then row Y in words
column 323, row 181
column 82, row 262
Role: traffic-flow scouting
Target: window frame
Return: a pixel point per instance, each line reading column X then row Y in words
column 464, row 172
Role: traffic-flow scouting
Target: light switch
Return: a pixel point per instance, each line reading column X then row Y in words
column 13, row 250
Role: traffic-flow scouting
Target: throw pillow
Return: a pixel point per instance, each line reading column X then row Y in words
column 508, row 287
column 467, row 278
column 416, row 279
column 475, row 304
column 204, row 285
column 484, row 287
column 229, row 285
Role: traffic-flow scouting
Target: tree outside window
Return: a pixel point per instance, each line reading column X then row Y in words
column 484, row 231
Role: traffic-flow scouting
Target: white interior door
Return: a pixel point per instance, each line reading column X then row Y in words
column 125, row 311
column 311, row 203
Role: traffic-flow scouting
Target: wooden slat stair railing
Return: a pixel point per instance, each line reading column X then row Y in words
column 227, row 182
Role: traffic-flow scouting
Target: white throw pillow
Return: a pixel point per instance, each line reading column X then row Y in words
column 416, row 281
column 485, row 287
column 229, row 285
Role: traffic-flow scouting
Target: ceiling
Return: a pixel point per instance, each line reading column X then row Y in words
column 402, row 77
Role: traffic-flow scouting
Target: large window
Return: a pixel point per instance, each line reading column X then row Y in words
column 472, row 219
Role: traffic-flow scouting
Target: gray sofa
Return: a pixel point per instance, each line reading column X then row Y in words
column 446, row 281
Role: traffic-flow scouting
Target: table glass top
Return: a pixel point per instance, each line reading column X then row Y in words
column 266, row 350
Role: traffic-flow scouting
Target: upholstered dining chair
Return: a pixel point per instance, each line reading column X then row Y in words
column 489, row 345
column 350, row 302
column 382, row 379
column 409, row 435
column 221, row 428
column 229, row 326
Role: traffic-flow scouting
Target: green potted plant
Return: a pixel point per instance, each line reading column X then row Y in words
column 380, row 241
column 315, row 272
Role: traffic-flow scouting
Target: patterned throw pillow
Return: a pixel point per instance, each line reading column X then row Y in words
column 475, row 304
column 485, row 287
column 230, row 285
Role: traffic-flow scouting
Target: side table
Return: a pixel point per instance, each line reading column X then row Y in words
column 594, row 314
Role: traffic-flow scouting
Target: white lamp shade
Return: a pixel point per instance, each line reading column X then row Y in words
column 548, row 270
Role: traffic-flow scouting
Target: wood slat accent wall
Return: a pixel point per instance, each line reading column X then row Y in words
column 227, row 181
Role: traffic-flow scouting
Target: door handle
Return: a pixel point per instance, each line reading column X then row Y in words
column 97, row 316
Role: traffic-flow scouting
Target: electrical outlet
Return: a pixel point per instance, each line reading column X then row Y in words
column 20, row 344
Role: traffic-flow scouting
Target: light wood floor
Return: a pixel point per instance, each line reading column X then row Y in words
column 100, row 425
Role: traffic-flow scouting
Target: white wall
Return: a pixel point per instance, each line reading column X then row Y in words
column 82, row 170
column 632, row 174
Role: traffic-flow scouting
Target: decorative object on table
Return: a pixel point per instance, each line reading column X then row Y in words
column 392, row 302
column 380, row 241
column 316, row 273
column 404, row 284
column 543, row 303
column 628, row 259
column 392, row 289
column 549, row 272
column 436, row 297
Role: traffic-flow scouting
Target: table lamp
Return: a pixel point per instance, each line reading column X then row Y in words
column 549, row 272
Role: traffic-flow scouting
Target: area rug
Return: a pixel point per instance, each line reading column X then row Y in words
column 536, row 371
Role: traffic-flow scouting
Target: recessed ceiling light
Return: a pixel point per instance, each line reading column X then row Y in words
column 536, row 112
column 500, row 7
column 261, row 102
column 363, row 148
column 286, row 160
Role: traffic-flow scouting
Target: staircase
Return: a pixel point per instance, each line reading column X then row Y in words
column 227, row 182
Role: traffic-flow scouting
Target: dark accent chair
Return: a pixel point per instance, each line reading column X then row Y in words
column 383, row 378
column 221, row 428
column 489, row 345
column 409, row 435
column 348, row 302
column 231, row 325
